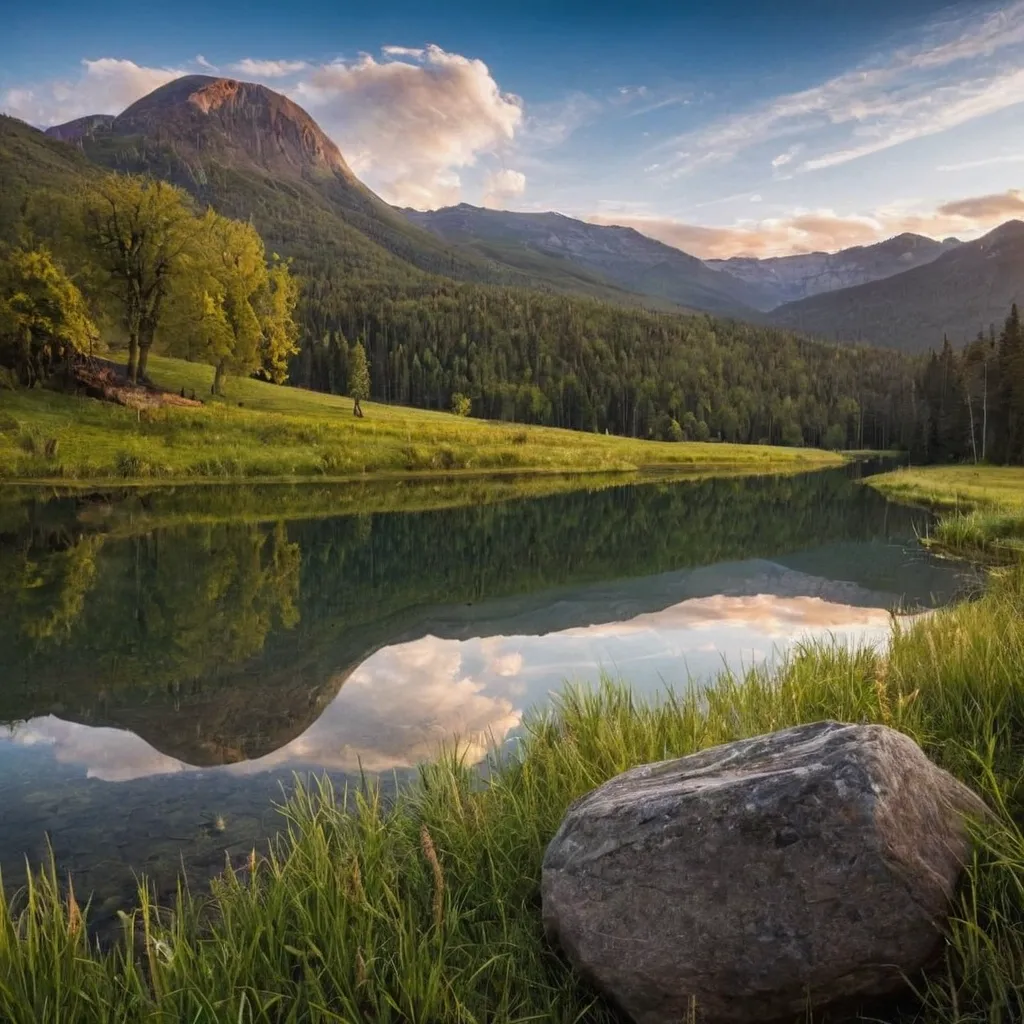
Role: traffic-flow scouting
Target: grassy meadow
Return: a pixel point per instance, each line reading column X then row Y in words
column 260, row 430
column 428, row 910
column 983, row 507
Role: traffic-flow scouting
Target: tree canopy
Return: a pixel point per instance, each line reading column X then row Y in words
column 43, row 317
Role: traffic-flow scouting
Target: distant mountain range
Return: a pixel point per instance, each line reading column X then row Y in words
column 621, row 255
column 959, row 293
column 252, row 153
column 790, row 278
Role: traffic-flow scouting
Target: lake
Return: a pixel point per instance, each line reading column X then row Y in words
column 170, row 660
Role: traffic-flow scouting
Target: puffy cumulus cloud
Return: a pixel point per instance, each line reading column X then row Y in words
column 501, row 186
column 959, row 69
column 267, row 68
column 412, row 121
column 822, row 230
column 104, row 86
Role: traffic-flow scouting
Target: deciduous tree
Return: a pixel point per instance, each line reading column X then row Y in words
column 43, row 317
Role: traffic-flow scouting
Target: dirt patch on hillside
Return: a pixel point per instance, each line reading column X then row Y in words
column 102, row 379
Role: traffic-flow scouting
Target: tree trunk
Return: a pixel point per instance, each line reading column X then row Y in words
column 132, row 369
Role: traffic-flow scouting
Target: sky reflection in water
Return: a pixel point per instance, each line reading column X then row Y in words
column 408, row 699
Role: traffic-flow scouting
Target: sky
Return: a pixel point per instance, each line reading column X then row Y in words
column 735, row 127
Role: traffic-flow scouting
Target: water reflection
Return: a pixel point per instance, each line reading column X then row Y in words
column 159, row 675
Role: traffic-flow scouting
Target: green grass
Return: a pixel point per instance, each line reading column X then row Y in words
column 983, row 507
column 261, row 430
column 428, row 910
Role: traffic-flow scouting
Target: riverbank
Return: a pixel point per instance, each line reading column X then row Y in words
column 983, row 507
column 430, row 910
column 261, row 430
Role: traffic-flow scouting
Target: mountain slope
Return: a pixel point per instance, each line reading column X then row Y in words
column 791, row 278
column 29, row 161
column 252, row 153
column 961, row 292
column 621, row 255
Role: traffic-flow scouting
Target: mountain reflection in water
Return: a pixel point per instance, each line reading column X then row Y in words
column 160, row 678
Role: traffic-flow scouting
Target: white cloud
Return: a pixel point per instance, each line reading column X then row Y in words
column 267, row 68
column 991, row 161
column 205, row 64
column 787, row 157
column 411, row 125
column 105, row 86
column 501, row 186
column 960, row 69
column 403, row 51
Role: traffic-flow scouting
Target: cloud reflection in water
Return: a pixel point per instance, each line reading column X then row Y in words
column 405, row 701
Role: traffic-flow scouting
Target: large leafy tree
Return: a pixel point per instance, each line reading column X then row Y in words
column 43, row 317
column 141, row 234
column 229, row 308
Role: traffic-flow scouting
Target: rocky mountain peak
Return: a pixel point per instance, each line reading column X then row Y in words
column 242, row 122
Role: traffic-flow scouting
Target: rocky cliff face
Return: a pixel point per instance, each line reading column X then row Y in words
column 240, row 123
column 789, row 278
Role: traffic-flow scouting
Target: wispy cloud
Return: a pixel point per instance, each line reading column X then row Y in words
column 960, row 69
column 990, row 207
column 991, row 161
column 821, row 230
column 267, row 68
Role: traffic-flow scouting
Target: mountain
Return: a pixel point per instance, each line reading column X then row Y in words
column 961, row 292
column 72, row 131
column 252, row 153
column 790, row 278
column 620, row 255
column 29, row 161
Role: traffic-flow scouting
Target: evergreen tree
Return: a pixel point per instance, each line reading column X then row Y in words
column 358, row 377
column 1010, row 444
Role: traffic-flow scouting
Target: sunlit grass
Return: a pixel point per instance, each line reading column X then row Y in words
column 428, row 909
column 983, row 506
column 261, row 430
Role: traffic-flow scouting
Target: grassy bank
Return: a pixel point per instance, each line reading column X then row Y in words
column 429, row 911
column 983, row 507
column 261, row 430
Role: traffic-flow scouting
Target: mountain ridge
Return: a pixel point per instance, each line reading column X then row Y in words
column 624, row 256
column 964, row 290
column 791, row 278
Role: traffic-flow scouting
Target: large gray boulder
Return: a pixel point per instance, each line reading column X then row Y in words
column 811, row 866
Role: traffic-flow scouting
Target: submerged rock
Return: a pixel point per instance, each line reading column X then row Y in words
column 810, row 866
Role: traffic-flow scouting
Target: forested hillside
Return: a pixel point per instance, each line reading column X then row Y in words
column 438, row 332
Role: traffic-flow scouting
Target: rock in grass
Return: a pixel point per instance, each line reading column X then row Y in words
column 811, row 866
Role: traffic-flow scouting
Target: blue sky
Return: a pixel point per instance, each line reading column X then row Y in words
column 724, row 128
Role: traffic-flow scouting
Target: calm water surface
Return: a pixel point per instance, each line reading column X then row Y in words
column 164, row 672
